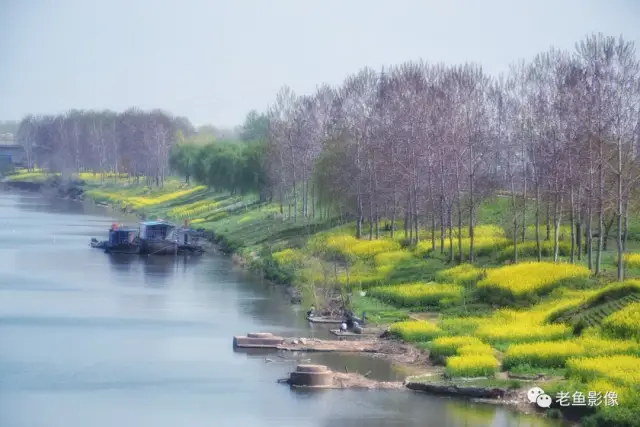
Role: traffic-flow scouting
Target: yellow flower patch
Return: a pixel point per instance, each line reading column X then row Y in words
column 532, row 277
column 618, row 369
column 543, row 354
column 474, row 365
column 624, row 324
column 419, row 294
column 448, row 346
column 415, row 330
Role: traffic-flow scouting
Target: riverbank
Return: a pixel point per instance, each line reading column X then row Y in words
column 551, row 323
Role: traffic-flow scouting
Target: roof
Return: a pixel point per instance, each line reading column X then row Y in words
column 156, row 223
column 127, row 229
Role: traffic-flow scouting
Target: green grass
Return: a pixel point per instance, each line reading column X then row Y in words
column 377, row 312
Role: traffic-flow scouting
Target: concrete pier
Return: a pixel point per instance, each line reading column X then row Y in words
column 257, row 340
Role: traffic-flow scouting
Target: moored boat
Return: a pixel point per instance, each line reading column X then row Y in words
column 122, row 240
column 158, row 238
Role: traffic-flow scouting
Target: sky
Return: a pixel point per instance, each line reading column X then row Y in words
column 213, row 61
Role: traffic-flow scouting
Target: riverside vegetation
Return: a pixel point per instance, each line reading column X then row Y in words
column 475, row 216
column 533, row 317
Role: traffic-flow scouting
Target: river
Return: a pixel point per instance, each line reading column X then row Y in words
column 88, row 339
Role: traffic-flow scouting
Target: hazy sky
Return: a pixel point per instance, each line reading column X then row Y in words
column 213, row 61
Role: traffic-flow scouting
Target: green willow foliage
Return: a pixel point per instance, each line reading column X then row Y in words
column 233, row 166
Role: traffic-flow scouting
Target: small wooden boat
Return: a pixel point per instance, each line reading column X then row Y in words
column 326, row 320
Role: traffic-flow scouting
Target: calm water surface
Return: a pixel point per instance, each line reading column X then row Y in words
column 88, row 339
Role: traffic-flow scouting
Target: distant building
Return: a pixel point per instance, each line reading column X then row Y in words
column 12, row 154
column 7, row 138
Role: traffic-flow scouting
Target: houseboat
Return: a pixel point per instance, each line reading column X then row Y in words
column 122, row 240
column 188, row 240
column 158, row 238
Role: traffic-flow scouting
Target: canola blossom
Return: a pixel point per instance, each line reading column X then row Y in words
column 620, row 369
column 448, row 346
column 624, row 324
column 419, row 294
column 532, row 277
column 543, row 354
column 470, row 349
column 463, row 273
column 415, row 330
column 473, row 365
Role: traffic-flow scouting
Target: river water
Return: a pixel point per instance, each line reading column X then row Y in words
column 88, row 339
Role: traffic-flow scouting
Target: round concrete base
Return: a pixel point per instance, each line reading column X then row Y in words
column 311, row 376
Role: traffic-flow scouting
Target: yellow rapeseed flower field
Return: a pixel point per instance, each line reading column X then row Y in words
column 597, row 346
column 415, row 330
column 464, row 273
column 620, row 369
column 474, row 365
column 532, row 277
column 391, row 258
column 521, row 332
column 471, row 349
column 632, row 260
column 448, row 346
column 419, row 294
column 624, row 323
column 543, row 354
column 460, row 325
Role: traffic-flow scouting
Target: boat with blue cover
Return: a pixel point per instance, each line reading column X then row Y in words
column 123, row 240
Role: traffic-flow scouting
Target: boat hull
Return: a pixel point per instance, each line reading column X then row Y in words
column 122, row 249
column 158, row 247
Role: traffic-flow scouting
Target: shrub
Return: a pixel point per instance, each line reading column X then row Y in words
column 544, row 354
column 415, row 330
column 448, row 346
column 289, row 257
column 624, row 324
column 530, row 278
column 419, row 294
column 461, row 274
column 475, row 365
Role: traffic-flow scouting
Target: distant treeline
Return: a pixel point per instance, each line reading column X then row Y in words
column 136, row 142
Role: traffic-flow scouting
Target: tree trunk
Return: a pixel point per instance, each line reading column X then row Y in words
column 537, row 217
column 600, row 211
column 619, row 214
